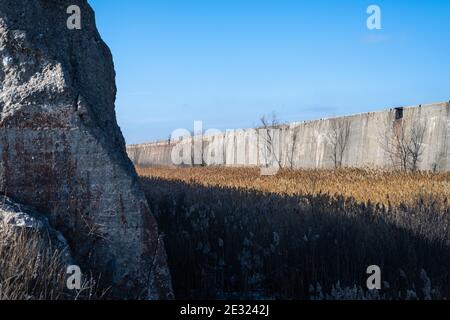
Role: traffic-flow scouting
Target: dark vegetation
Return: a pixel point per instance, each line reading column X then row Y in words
column 32, row 269
column 232, row 242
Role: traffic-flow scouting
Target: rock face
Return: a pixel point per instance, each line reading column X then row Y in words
column 62, row 152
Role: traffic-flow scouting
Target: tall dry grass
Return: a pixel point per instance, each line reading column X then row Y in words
column 311, row 234
column 364, row 185
column 29, row 271
column 32, row 269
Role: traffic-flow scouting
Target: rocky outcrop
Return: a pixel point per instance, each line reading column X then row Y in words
column 62, row 152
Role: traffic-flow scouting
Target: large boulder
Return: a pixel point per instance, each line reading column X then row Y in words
column 62, row 152
column 34, row 257
column 17, row 218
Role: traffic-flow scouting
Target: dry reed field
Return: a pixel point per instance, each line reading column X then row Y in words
column 375, row 186
column 308, row 234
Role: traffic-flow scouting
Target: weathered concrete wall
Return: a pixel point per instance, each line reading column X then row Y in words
column 309, row 144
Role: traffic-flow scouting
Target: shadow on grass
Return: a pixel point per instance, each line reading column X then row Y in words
column 227, row 243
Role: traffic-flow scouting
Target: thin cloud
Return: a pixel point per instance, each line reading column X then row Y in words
column 375, row 38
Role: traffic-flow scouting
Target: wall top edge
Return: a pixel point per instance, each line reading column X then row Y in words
column 293, row 124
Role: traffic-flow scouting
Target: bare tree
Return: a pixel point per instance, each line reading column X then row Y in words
column 293, row 147
column 338, row 137
column 415, row 145
column 268, row 126
column 404, row 144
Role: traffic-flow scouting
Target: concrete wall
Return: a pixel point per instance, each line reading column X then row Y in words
column 309, row 144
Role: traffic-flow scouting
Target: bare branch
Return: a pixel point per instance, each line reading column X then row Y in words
column 404, row 144
column 268, row 126
column 338, row 137
column 293, row 147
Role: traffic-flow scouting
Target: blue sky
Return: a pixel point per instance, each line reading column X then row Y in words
column 226, row 63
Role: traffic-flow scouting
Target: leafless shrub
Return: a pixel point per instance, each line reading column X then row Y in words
column 293, row 147
column 267, row 132
column 404, row 144
column 415, row 145
column 338, row 137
